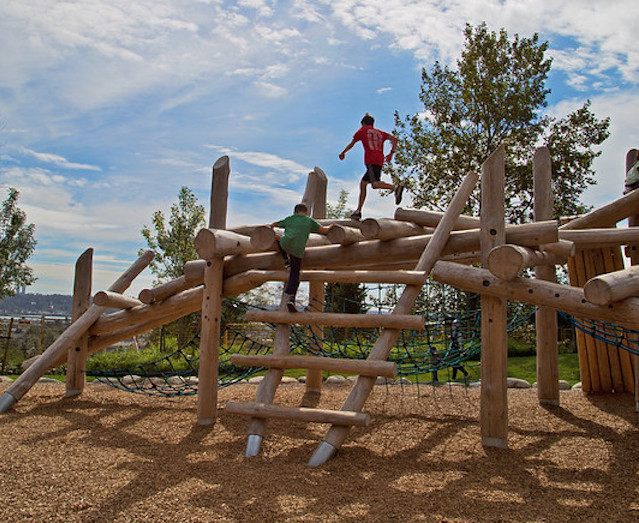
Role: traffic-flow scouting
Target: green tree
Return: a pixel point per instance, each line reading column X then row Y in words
column 17, row 243
column 495, row 95
column 174, row 241
column 343, row 297
column 174, row 244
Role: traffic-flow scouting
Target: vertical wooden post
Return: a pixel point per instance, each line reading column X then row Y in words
column 316, row 299
column 77, row 353
column 212, row 301
column 494, row 341
column 316, row 189
column 545, row 317
column 210, row 342
column 631, row 158
column 219, row 193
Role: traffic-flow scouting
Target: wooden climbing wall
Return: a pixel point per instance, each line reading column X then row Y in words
column 603, row 367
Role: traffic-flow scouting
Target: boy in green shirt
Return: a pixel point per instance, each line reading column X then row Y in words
column 292, row 245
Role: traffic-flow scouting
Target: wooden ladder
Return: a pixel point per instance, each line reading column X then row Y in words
column 280, row 360
column 367, row 370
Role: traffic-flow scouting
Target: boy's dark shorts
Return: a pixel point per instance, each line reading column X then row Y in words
column 373, row 173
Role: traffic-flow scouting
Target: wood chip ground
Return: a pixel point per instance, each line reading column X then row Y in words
column 112, row 456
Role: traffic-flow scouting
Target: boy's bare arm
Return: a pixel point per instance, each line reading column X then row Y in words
column 393, row 140
column 347, row 148
column 323, row 229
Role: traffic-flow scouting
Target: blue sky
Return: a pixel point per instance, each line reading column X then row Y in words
column 108, row 107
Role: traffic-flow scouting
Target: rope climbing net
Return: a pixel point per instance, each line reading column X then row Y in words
column 609, row 333
column 450, row 340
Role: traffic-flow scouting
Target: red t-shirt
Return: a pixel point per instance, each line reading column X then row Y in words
column 373, row 141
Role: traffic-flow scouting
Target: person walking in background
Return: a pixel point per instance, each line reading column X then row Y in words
column 373, row 141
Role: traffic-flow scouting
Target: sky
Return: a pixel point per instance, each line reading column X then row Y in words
column 108, row 107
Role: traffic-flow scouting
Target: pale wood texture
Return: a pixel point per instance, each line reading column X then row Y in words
column 432, row 218
column 210, row 343
column 599, row 237
column 375, row 252
column 537, row 292
column 584, row 363
column 385, row 341
column 387, row 229
column 316, row 302
column 607, row 215
column 267, row 387
column 185, row 302
column 493, row 417
column 114, row 300
column 213, row 243
column 613, row 286
column 70, row 336
column 401, row 277
column 194, row 272
column 545, row 318
column 506, row 261
column 560, row 248
column 343, row 366
column 219, row 193
column 316, row 297
column 344, row 235
column 265, row 410
column 391, row 321
column 164, row 290
column 77, row 353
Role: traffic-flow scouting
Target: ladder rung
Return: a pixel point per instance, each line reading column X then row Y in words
column 388, row 321
column 262, row 410
column 346, row 366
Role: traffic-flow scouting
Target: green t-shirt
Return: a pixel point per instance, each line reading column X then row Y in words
column 297, row 227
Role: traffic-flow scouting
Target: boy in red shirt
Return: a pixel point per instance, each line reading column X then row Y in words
column 373, row 141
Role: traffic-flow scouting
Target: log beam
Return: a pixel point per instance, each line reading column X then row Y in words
column 303, row 414
column 506, row 261
column 164, row 290
column 339, row 365
column 114, row 300
column 607, row 215
column 613, row 286
column 215, row 243
column 432, row 218
column 386, row 229
column 538, row 292
column 390, row 321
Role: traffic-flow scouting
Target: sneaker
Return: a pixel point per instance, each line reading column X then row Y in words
column 356, row 215
column 399, row 189
column 291, row 306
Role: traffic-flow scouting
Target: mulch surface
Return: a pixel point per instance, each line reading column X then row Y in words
column 109, row 456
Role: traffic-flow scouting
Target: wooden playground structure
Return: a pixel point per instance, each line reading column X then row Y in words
column 409, row 249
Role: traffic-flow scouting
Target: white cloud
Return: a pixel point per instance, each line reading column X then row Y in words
column 267, row 160
column 59, row 161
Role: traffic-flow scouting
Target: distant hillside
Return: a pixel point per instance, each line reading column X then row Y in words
column 53, row 304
